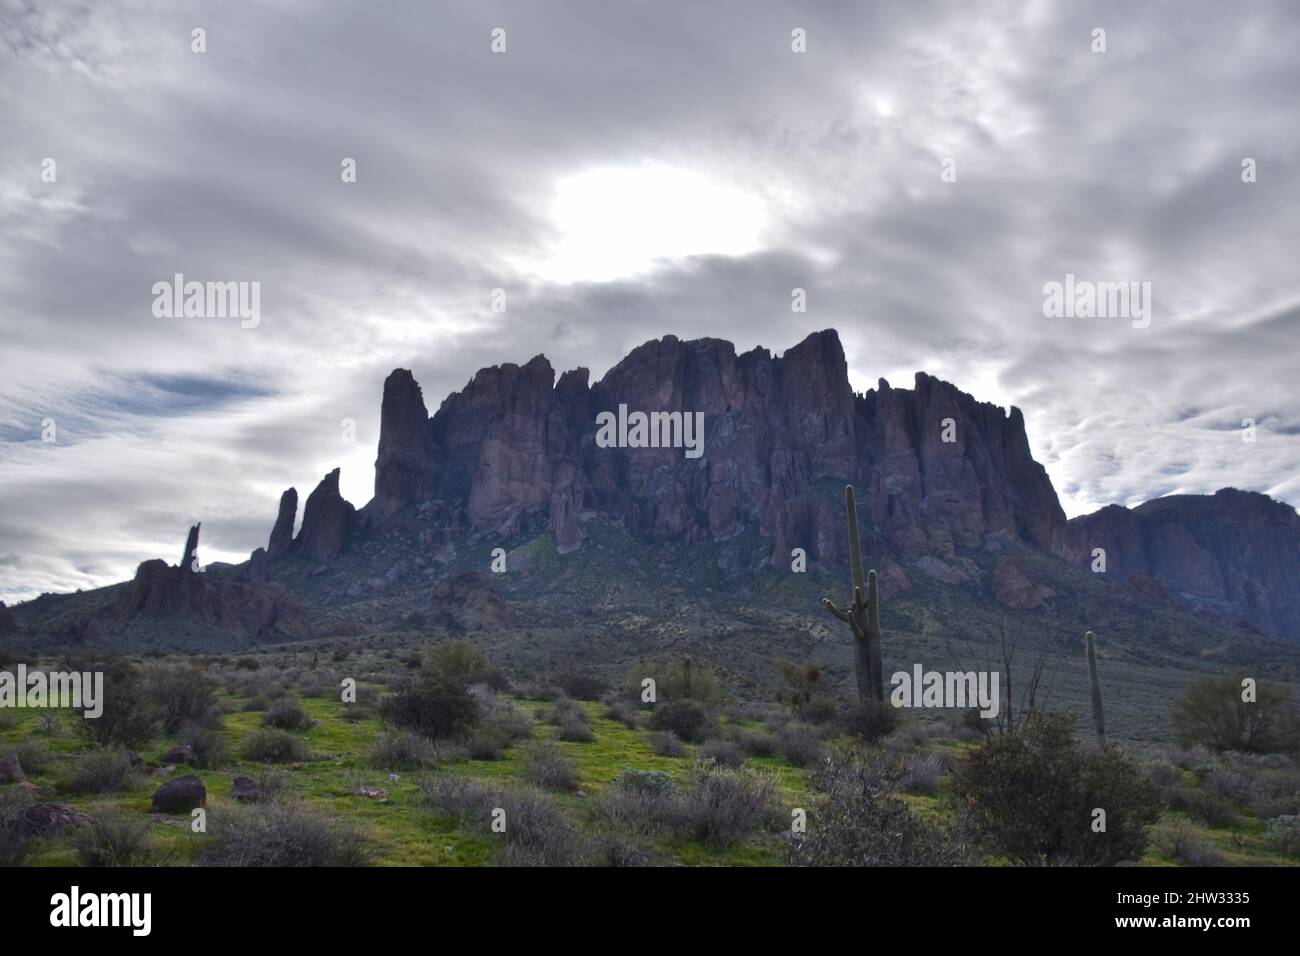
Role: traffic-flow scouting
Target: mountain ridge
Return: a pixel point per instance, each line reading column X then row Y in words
column 943, row 479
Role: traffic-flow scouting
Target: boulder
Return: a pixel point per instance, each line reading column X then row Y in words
column 246, row 790
column 180, row 754
column 180, row 795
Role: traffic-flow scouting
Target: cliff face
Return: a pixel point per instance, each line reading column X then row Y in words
column 1234, row 552
column 940, row 469
column 937, row 472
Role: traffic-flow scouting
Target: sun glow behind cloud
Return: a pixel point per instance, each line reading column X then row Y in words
column 615, row 222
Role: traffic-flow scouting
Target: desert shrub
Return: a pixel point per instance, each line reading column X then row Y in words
column 500, row 715
column 1208, row 807
column 248, row 663
column 1275, row 793
column 33, row 756
column 925, row 772
column 538, row 831
column 272, row 745
column 802, row 686
column 799, row 744
column 277, row 833
column 51, row 725
column 1283, row 835
column 180, row 695
column 1231, row 785
column 724, row 753
column 1212, row 713
column 317, row 683
column 357, row 713
column 579, row 684
column 457, row 661
column 402, row 751
column 211, row 749
column 820, row 710
column 688, row 719
column 870, row 720
column 969, row 726
column 1030, row 796
column 429, row 704
column 486, row 743
column 622, row 711
column 665, row 743
column 618, row 848
column 102, row 771
column 287, row 714
column 718, row 807
column 857, row 820
column 549, row 767
column 1163, row 775
column 652, row 782
column 15, row 844
column 8, row 720
column 753, row 743
column 675, row 680
column 459, row 797
column 129, row 718
column 1180, row 841
column 545, row 692
column 639, row 807
column 113, row 839
column 571, row 719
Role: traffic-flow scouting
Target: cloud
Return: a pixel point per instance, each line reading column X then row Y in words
column 225, row 166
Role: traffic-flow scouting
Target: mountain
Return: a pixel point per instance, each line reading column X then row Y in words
column 1233, row 553
column 937, row 470
column 672, row 502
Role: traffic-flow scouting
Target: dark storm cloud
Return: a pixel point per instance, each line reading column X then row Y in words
column 225, row 166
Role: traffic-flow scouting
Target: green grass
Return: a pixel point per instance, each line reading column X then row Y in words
column 405, row 831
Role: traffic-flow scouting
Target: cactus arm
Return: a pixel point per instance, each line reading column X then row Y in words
column 839, row 612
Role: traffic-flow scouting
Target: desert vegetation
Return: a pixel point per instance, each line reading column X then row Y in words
column 446, row 759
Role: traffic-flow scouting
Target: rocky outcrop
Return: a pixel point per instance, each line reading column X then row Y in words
column 405, row 471
column 515, row 449
column 281, row 540
column 1013, row 587
column 468, row 602
column 326, row 519
column 259, row 610
column 1236, row 553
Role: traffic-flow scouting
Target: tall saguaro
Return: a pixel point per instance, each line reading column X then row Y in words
column 863, row 614
column 1097, row 717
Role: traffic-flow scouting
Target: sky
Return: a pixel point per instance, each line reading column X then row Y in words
column 622, row 171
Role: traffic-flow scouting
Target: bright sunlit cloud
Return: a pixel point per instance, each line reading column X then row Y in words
column 618, row 222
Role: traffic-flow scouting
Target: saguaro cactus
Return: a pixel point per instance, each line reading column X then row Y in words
column 863, row 614
column 1097, row 717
